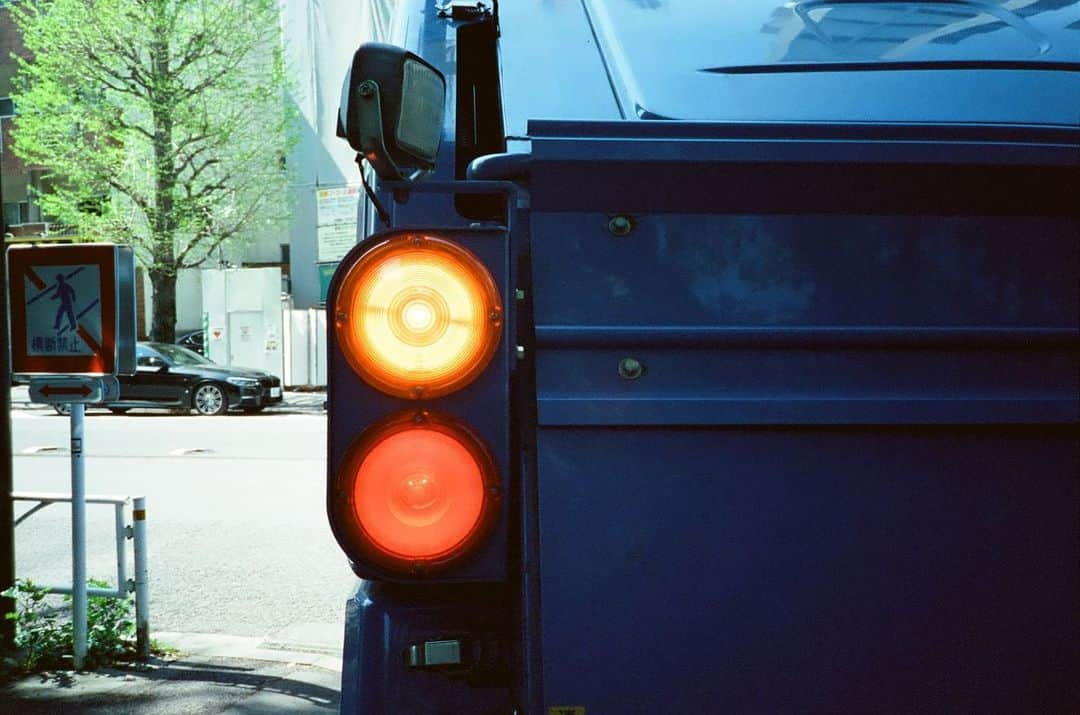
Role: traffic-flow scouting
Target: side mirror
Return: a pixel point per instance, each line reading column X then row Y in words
column 391, row 110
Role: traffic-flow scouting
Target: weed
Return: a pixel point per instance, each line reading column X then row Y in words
column 44, row 635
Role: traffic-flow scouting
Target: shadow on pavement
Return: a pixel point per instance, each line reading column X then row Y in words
column 187, row 686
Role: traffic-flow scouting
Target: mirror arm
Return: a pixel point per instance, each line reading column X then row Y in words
column 372, row 196
column 371, row 128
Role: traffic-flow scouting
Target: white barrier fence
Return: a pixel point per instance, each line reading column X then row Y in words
column 305, row 347
column 136, row 532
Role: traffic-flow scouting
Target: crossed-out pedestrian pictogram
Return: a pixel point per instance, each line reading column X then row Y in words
column 75, row 321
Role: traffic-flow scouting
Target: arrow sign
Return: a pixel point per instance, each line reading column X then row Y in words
column 63, row 389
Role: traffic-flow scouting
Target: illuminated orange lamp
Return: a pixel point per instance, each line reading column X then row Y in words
column 418, row 317
column 419, row 491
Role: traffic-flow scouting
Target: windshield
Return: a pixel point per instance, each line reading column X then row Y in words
column 181, row 356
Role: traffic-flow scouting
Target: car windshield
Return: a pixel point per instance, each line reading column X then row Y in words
column 181, row 356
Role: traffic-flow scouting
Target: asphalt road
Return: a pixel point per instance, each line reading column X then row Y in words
column 238, row 538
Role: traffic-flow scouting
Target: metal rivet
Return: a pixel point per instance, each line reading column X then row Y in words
column 630, row 369
column 519, row 294
column 620, row 225
column 495, row 316
column 367, row 88
column 520, row 352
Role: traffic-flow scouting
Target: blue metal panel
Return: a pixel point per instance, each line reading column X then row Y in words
column 810, row 570
column 648, row 142
column 808, row 270
column 555, row 73
column 804, row 319
column 819, row 60
column 383, row 622
column 714, row 376
column 696, row 34
column 846, row 480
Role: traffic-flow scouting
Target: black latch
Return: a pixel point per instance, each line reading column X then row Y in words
column 438, row 654
column 480, row 660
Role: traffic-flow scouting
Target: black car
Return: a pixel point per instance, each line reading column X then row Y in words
column 195, row 341
column 173, row 377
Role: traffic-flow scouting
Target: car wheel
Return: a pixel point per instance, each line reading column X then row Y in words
column 64, row 410
column 253, row 409
column 119, row 410
column 209, row 399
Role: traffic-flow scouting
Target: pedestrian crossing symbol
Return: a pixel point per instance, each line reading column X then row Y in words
column 63, row 310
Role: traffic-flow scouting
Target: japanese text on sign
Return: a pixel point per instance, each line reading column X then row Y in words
column 336, row 231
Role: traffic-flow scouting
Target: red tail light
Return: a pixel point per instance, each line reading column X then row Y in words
column 416, row 492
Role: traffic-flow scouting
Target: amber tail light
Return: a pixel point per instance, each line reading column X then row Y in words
column 418, row 317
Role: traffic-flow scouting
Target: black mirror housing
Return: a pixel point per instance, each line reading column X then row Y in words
column 392, row 105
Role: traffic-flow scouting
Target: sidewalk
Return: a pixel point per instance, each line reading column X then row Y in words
column 212, row 674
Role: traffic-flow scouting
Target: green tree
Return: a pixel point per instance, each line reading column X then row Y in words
column 161, row 123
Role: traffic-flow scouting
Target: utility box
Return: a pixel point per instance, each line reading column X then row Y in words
column 243, row 317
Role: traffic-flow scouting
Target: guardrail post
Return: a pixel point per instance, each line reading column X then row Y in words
column 142, row 581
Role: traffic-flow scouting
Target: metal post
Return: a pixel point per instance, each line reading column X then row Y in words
column 7, row 506
column 142, row 580
column 121, row 554
column 313, row 347
column 78, row 534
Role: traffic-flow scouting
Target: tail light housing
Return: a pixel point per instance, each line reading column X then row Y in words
column 418, row 405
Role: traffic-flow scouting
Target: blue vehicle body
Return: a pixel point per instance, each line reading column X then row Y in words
column 843, row 476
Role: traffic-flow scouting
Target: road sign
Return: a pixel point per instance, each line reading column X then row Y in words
column 72, row 309
column 69, row 389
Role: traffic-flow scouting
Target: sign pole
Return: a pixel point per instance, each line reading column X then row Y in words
column 78, row 534
column 7, row 507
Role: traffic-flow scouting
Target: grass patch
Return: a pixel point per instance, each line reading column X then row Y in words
column 44, row 636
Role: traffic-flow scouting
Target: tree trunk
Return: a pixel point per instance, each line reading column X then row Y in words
column 163, row 326
column 162, row 221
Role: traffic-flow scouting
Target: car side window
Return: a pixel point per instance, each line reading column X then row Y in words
column 143, row 357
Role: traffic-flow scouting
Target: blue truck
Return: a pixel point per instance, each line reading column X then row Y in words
column 704, row 357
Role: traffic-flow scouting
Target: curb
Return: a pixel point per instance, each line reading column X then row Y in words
column 212, row 645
